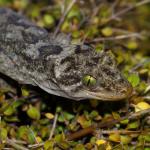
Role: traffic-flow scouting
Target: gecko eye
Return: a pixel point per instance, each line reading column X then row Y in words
column 89, row 80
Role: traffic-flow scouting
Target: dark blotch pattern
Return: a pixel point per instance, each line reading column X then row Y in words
column 30, row 38
column 13, row 18
column 2, row 11
column 78, row 49
column 67, row 59
column 1, row 49
column 82, row 49
column 69, row 80
column 50, row 50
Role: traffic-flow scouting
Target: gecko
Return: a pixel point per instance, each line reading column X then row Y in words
column 31, row 55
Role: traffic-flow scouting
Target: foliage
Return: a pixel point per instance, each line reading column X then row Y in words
column 108, row 25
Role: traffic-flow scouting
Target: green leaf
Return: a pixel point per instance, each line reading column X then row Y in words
column 64, row 145
column 25, row 91
column 125, row 139
column 133, row 125
column 75, row 34
column 134, row 79
column 33, row 113
column 94, row 114
column 11, row 118
column 59, row 137
column 31, row 135
column 107, row 31
column 44, row 132
column 49, row 20
column 23, row 132
column 114, row 137
column 79, row 147
column 17, row 103
column 3, row 134
column 5, row 2
column 145, row 137
column 124, row 121
column 74, row 13
column 9, row 111
column 68, row 116
column 132, row 44
column 99, row 47
column 49, row 145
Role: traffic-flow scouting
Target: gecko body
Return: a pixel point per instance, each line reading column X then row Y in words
column 30, row 55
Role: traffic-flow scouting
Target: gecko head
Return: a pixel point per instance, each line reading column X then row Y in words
column 86, row 74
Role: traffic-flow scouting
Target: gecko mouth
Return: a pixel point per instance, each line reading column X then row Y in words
column 111, row 96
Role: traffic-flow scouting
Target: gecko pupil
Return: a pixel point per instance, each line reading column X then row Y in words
column 89, row 80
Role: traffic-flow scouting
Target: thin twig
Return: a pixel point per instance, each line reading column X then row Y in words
column 7, row 149
column 140, row 64
column 102, row 124
column 33, row 135
column 122, row 12
column 119, row 37
column 146, row 97
column 51, row 133
column 95, row 11
column 119, row 131
column 54, row 126
column 63, row 17
column 147, row 144
column 19, row 141
column 114, row 5
column 138, row 114
column 46, row 8
column 15, row 145
column 35, row 146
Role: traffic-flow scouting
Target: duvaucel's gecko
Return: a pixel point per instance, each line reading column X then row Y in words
column 30, row 55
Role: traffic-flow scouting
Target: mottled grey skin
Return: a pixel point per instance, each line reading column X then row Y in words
column 30, row 55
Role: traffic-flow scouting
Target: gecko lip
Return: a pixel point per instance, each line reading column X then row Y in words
column 111, row 96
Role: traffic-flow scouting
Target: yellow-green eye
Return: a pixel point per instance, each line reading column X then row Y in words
column 89, row 80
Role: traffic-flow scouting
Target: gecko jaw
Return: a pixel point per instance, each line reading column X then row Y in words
column 110, row 96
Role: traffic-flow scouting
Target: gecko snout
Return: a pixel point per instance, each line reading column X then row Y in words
column 127, row 90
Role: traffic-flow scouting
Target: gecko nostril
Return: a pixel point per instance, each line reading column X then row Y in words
column 124, row 90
